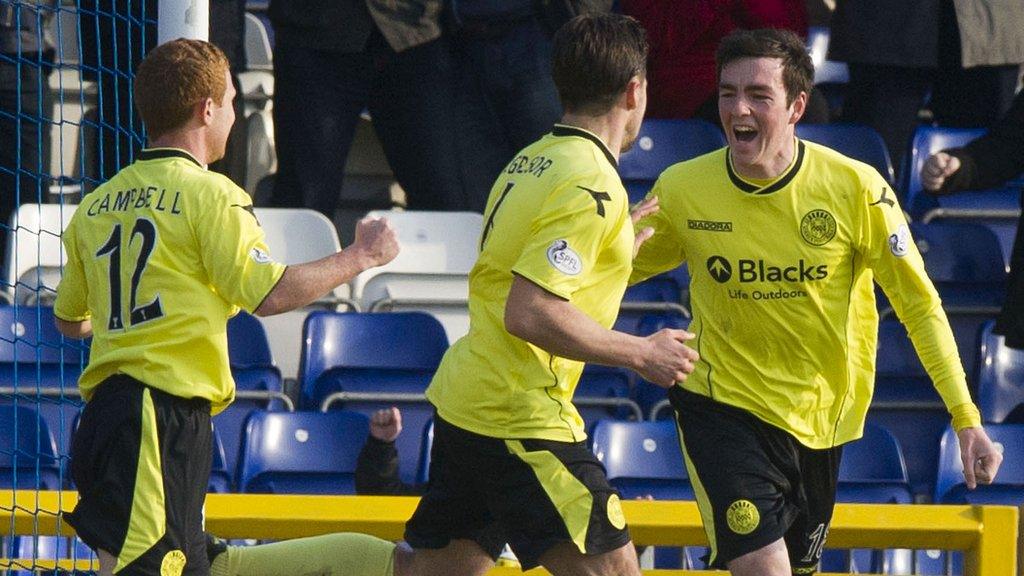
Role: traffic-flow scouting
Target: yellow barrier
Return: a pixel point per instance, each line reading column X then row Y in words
column 987, row 534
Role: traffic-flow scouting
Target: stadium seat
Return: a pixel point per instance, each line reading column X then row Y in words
column 871, row 471
column 603, row 393
column 39, row 368
column 830, row 77
column 660, row 144
column 28, row 453
column 853, row 140
column 1008, row 488
column 261, row 151
column 906, row 404
column 926, row 141
column 1000, row 379
column 652, row 398
column 368, row 361
column 659, row 295
column 37, row 548
column 35, row 254
column 965, row 263
column 642, row 459
column 430, row 273
column 302, row 452
column 318, row 239
column 258, row 383
column 220, row 477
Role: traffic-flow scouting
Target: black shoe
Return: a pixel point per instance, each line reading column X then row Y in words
column 214, row 547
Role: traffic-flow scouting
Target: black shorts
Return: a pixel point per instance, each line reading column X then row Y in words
column 141, row 461
column 533, row 494
column 754, row 482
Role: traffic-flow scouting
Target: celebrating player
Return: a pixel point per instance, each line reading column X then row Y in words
column 784, row 239
column 158, row 258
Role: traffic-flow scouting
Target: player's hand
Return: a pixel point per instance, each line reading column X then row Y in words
column 936, row 169
column 386, row 424
column 668, row 359
column 979, row 455
column 644, row 208
column 376, row 241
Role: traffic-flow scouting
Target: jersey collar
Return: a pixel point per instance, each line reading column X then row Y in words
column 775, row 186
column 160, row 153
column 566, row 130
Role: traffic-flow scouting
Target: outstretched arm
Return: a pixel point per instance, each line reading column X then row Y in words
column 375, row 245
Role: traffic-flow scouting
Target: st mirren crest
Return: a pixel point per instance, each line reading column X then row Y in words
column 818, row 227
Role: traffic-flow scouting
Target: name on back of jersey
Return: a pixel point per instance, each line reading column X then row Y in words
column 124, row 200
column 524, row 164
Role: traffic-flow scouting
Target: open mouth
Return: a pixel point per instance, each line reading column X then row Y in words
column 744, row 133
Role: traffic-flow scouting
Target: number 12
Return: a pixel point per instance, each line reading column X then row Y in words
column 139, row 314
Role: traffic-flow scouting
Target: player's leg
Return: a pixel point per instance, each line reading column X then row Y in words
column 743, row 474
column 452, row 532
column 342, row 554
column 559, row 509
column 819, row 474
column 140, row 459
column 770, row 560
column 565, row 559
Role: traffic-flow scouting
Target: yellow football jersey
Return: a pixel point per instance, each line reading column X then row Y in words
column 159, row 257
column 782, row 288
column 559, row 217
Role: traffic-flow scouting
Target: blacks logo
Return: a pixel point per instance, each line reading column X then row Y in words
column 818, row 227
column 720, row 269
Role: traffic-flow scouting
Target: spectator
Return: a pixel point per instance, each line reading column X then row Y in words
column 26, row 60
column 965, row 53
column 335, row 58
column 987, row 162
column 684, row 35
column 507, row 98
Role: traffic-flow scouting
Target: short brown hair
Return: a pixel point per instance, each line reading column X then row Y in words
column 173, row 78
column 594, row 57
column 797, row 67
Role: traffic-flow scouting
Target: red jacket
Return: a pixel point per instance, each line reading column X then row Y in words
column 684, row 35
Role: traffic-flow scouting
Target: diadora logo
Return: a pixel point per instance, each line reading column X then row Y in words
column 709, row 225
column 720, row 269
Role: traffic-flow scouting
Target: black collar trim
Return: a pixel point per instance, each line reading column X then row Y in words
column 564, row 130
column 774, row 186
column 160, row 153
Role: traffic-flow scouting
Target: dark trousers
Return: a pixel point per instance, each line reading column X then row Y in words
column 318, row 98
column 506, row 99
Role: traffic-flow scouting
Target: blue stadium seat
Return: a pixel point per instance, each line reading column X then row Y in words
column 39, row 367
column 660, row 295
column 386, row 358
column 853, row 140
column 258, row 383
column 871, row 471
column 642, row 458
column 603, row 393
column 28, row 455
column 906, row 404
column 965, row 263
column 220, row 475
column 302, row 452
column 926, row 141
column 1008, row 488
column 830, row 77
column 36, row 548
column 660, row 144
column 652, row 398
column 1000, row 379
